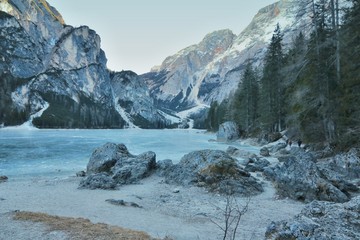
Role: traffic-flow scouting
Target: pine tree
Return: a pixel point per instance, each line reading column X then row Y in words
column 272, row 112
column 294, row 68
column 316, row 111
column 349, row 110
column 245, row 102
column 216, row 115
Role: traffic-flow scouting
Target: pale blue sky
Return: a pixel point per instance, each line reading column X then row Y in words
column 139, row 34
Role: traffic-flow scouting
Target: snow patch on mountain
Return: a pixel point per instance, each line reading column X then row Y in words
column 126, row 116
column 187, row 113
column 211, row 70
column 29, row 123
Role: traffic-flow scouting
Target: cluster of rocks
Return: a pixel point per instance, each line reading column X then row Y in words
column 111, row 165
column 301, row 176
column 329, row 185
column 216, row 170
column 320, row 220
column 251, row 162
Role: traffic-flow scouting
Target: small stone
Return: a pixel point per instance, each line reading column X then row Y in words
column 3, row 178
column 264, row 152
column 116, row 202
column 81, row 174
column 176, row 190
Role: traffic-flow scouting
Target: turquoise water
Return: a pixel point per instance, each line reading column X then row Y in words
column 30, row 152
column 60, row 153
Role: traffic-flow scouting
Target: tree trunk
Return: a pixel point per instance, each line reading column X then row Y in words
column 335, row 26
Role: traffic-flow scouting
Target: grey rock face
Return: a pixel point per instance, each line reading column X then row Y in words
column 257, row 165
column 346, row 165
column 215, row 170
column 173, row 84
column 235, row 152
column 47, row 64
column 164, row 167
column 129, row 170
column 228, row 131
column 278, row 147
column 211, row 70
column 113, row 164
column 264, row 152
column 320, row 220
column 132, row 95
column 98, row 181
column 105, row 157
column 299, row 178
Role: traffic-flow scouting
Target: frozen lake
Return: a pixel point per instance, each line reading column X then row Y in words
column 61, row 153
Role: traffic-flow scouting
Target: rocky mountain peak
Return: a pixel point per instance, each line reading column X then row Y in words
column 32, row 11
column 217, row 41
column 180, row 70
column 212, row 44
column 58, row 74
column 212, row 69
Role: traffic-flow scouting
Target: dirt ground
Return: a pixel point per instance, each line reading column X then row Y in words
column 162, row 210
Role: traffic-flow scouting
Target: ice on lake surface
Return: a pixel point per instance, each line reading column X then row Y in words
column 28, row 153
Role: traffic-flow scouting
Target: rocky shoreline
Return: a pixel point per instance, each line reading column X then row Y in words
column 191, row 194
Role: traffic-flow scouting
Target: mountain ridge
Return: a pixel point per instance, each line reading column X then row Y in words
column 216, row 80
column 48, row 64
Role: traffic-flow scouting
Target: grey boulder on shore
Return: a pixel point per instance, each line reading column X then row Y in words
column 112, row 164
column 299, row 177
column 320, row 220
column 228, row 131
column 212, row 169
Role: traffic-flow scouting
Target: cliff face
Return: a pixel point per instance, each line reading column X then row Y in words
column 183, row 81
column 175, row 83
column 49, row 66
column 133, row 102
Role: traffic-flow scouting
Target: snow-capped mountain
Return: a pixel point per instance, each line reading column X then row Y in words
column 49, row 67
column 60, row 71
column 211, row 70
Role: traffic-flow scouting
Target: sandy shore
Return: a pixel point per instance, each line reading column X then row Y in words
column 166, row 210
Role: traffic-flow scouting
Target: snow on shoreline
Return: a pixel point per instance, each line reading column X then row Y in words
column 28, row 125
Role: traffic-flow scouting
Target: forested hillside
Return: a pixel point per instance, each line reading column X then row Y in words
column 312, row 90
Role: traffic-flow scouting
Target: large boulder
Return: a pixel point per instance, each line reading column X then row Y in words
column 299, row 178
column 228, row 131
column 256, row 164
column 238, row 153
column 132, row 169
column 213, row 169
column 113, row 164
column 347, row 165
column 105, row 157
column 320, row 220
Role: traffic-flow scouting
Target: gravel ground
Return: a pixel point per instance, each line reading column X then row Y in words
column 11, row 229
column 166, row 210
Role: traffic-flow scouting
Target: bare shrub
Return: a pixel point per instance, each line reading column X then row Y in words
column 230, row 218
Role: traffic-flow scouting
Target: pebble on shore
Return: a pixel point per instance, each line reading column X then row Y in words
column 3, row 179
